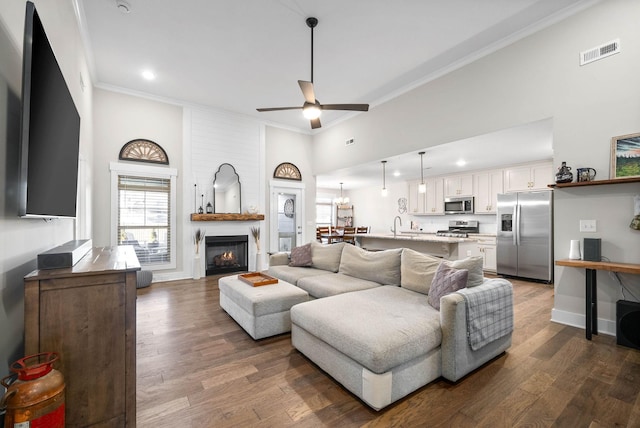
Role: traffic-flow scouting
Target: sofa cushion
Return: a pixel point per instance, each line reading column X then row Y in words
column 445, row 281
column 301, row 256
column 326, row 256
column 382, row 267
column 392, row 325
column 473, row 265
column 333, row 283
column 417, row 270
column 292, row 274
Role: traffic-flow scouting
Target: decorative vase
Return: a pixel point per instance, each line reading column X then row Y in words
column 574, row 250
column 258, row 262
column 196, row 267
column 564, row 174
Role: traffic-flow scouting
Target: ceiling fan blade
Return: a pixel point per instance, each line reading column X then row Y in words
column 315, row 123
column 278, row 108
column 354, row 107
column 307, row 91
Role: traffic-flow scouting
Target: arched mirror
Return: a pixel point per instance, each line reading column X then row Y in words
column 226, row 190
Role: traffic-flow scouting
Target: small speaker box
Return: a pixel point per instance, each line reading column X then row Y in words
column 628, row 324
column 591, row 249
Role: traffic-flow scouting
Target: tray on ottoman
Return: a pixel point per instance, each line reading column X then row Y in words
column 257, row 279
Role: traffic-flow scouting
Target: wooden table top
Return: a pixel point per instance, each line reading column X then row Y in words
column 610, row 266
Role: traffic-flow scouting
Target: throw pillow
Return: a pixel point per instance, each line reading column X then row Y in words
column 326, row 256
column 474, row 266
column 382, row 267
column 445, row 281
column 301, row 256
column 417, row 270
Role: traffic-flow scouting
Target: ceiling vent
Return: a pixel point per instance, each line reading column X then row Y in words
column 600, row 52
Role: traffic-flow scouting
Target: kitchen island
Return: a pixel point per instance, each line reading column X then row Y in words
column 451, row 248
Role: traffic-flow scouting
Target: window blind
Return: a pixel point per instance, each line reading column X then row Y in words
column 143, row 217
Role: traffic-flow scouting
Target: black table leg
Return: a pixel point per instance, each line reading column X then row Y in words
column 591, row 303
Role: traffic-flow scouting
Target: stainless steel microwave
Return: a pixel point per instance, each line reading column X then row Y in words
column 458, row 205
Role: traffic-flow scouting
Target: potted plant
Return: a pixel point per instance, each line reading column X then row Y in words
column 197, row 238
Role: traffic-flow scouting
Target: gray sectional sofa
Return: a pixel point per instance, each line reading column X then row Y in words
column 373, row 326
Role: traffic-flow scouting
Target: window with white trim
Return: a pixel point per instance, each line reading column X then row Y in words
column 143, row 212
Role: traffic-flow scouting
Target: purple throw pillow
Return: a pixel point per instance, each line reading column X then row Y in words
column 446, row 280
column 301, row 256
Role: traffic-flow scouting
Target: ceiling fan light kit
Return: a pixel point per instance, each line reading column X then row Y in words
column 312, row 109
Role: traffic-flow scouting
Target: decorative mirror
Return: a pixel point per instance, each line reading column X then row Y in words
column 226, row 190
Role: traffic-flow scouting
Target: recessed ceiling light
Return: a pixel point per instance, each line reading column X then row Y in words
column 396, row 173
column 148, row 75
column 461, row 162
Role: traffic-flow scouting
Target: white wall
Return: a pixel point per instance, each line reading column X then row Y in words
column 22, row 239
column 118, row 119
column 213, row 137
column 287, row 146
column 535, row 78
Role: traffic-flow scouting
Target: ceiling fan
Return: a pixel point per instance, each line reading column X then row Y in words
column 312, row 107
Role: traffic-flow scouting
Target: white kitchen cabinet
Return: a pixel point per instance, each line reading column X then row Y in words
column 416, row 199
column 458, row 185
column 487, row 185
column 528, row 177
column 431, row 202
column 487, row 249
column 434, row 199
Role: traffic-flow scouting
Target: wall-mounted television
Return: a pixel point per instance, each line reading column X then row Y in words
column 50, row 130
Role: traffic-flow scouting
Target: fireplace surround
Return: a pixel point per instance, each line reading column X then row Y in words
column 226, row 254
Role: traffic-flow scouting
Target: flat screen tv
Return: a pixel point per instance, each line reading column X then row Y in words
column 50, row 130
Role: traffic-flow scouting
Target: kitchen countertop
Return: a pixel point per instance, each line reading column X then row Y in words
column 418, row 236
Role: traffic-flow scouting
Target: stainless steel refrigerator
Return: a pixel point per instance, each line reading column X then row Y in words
column 525, row 235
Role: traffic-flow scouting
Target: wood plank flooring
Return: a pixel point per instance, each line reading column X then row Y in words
column 196, row 367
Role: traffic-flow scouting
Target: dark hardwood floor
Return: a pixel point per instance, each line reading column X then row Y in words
column 196, row 367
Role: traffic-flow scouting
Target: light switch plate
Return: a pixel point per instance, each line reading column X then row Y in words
column 587, row 225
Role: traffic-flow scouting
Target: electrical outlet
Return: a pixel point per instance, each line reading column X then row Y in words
column 349, row 142
column 468, row 253
column 587, row 225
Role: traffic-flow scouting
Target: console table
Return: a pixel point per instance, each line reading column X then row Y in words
column 591, row 298
column 87, row 314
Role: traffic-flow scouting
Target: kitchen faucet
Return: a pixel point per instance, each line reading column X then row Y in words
column 394, row 225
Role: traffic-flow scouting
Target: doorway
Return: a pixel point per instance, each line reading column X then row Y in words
column 287, row 217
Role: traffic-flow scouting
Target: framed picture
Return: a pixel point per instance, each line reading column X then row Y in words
column 625, row 156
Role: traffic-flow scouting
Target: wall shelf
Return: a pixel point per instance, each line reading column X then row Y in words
column 596, row 183
column 227, row 217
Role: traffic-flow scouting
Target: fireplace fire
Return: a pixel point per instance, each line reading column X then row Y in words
column 226, row 254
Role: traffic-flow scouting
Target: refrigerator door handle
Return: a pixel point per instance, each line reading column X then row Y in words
column 515, row 225
column 517, row 234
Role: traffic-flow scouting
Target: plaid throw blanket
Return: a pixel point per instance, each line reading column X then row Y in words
column 489, row 312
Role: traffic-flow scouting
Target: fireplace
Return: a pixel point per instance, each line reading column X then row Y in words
column 226, row 254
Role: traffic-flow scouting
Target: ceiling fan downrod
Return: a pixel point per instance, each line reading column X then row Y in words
column 311, row 23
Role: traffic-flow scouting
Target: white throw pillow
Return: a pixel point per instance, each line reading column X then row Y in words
column 474, row 266
column 417, row 270
column 326, row 256
column 382, row 267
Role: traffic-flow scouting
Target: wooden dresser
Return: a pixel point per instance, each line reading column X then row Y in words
column 87, row 314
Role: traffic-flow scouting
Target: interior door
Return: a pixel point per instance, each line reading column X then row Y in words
column 287, row 218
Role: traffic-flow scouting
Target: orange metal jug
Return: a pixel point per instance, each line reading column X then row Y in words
column 36, row 398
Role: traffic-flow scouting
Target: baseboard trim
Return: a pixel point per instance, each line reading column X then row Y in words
column 578, row 320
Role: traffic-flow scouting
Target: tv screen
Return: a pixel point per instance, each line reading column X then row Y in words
column 50, row 130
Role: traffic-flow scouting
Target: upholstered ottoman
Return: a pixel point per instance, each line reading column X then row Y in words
column 261, row 311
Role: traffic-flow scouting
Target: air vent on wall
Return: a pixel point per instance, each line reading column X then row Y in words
column 600, row 52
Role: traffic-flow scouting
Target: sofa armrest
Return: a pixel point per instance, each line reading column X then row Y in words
column 279, row 259
column 458, row 359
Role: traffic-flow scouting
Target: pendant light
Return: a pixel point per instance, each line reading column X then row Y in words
column 342, row 200
column 422, row 188
column 384, row 179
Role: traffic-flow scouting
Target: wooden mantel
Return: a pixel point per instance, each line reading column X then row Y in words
column 227, row 217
